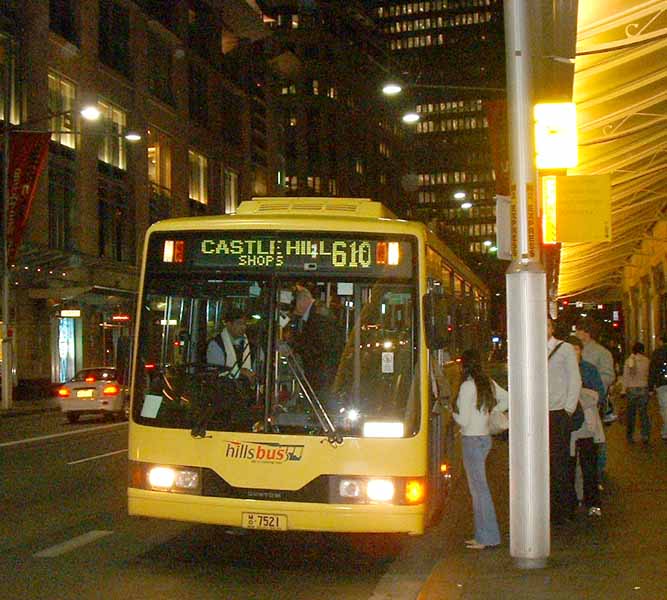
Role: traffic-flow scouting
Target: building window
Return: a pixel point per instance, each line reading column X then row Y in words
column 14, row 115
column 198, row 95
column 62, row 201
column 159, row 58
column 198, row 177
column 114, row 36
column 159, row 161
column 63, row 19
column 112, row 149
column 313, row 183
column 116, row 229
column 202, row 28
column 230, row 182
column 62, row 96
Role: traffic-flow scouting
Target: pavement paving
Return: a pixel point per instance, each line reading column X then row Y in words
column 30, row 404
column 622, row 554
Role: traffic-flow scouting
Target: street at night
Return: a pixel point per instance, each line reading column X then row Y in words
column 65, row 534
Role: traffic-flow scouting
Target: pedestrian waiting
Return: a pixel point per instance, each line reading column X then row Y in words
column 478, row 396
column 635, row 386
column 588, row 433
column 657, row 381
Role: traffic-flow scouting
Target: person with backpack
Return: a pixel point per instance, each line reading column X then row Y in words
column 587, row 433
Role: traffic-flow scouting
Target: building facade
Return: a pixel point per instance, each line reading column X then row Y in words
column 452, row 56
column 340, row 137
column 166, row 70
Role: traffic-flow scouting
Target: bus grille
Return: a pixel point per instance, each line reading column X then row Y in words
column 316, row 490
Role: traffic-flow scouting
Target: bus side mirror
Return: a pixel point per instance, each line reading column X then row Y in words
column 435, row 320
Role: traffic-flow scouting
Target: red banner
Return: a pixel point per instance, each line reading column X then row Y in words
column 496, row 114
column 27, row 158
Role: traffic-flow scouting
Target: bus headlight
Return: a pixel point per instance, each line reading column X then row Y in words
column 380, row 490
column 349, row 488
column 173, row 479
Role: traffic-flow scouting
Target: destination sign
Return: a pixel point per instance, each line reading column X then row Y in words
column 287, row 252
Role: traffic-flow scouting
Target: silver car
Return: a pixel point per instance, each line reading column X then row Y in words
column 94, row 391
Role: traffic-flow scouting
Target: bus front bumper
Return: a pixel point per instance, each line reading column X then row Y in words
column 301, row 516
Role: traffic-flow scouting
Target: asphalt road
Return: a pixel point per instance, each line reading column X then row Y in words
column 65, row 533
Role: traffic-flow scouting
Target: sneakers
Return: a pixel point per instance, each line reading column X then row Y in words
column 594, row 511
column 475, row 545
column 609, row 418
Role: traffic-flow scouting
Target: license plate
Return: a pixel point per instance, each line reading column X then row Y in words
column 265, row 521
column 84, row 393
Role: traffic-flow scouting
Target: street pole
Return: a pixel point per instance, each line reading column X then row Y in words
column 526, row 311
column 7, row 380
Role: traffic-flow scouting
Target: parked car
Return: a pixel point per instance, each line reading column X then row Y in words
column 94, row 391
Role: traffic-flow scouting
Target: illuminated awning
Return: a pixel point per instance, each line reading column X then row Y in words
column 620, row 88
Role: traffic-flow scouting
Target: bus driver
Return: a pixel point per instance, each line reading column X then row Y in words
column 230, row 348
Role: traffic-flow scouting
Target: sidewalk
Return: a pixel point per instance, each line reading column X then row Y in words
column 30, row 405
column 620, row 555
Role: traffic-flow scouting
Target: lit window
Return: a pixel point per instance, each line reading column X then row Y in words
column 198, row 177
column 231, row 190
column 112, row 148
column 62, row 96
column 159, row 161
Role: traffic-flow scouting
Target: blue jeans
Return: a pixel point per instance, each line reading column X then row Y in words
column 475, row 450
column 638, row 400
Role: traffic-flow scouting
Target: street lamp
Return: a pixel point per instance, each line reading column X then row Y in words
column 25, row 175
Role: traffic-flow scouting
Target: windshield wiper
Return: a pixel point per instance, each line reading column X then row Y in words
column 329, row 429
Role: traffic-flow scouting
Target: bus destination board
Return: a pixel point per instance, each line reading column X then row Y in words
column 287, row 252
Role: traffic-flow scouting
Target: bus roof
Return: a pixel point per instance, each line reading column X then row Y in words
column 357, row 207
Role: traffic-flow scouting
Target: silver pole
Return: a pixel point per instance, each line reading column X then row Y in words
column 526, row 313
column 7, row 382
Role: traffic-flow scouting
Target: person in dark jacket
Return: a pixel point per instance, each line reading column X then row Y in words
column 317, row 341
column 584, row 447
column 657, row 380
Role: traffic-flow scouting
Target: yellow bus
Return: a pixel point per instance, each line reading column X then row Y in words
column 342, row 431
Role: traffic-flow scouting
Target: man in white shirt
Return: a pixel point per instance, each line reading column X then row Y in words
column 564, row 387
column 230, row 348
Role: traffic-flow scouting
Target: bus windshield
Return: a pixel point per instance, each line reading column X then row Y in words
column 227, row 348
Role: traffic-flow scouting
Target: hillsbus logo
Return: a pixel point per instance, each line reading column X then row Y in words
column 263, row 452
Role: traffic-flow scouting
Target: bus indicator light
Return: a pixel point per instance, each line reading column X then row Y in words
column 174, row 251
column 414, row 491
column 394, row 255
column 179, row 251
column 381, row 253
column 168, row 252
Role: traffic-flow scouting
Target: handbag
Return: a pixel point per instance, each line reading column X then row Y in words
column 498, row 422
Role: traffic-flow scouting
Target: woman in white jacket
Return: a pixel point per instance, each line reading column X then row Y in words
column 478, row 396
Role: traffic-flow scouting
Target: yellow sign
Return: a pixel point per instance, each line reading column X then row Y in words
column 556, row 135
column 531, row 218
column 514, row 220
column 576, row 208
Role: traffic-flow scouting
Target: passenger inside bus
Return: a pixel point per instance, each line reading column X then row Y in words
column 317, row 340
